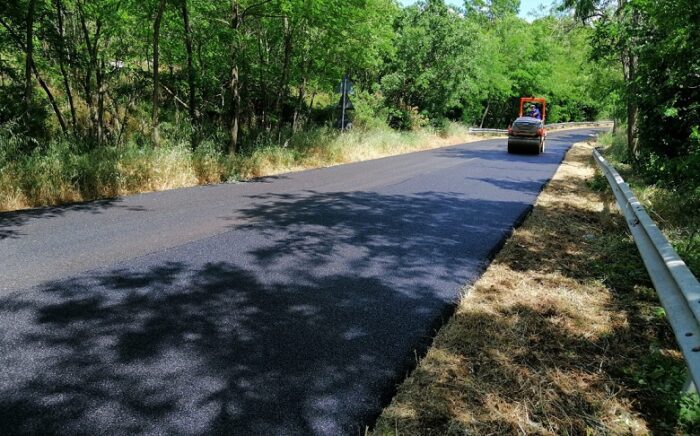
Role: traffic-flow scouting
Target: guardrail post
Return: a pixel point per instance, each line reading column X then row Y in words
column 688, row 385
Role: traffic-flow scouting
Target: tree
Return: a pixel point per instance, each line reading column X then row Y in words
column 261, row 70
column 29, row 55
column 434, row 65
column 668, row 88
column 615, row 36
column 156, row 71
column 492, row 9
column 194, row 116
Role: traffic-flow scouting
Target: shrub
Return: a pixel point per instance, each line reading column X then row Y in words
column 406, row 118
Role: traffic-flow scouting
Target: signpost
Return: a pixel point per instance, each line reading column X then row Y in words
column 345, row 104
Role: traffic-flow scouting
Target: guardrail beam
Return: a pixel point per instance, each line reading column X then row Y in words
column 676, row 286
column 554, row 126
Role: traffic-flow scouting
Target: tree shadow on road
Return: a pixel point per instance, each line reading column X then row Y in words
column 427, row 235
column 211, row 350
column 301, row 321
column 12, row 222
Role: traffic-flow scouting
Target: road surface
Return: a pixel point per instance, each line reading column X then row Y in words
column 289, row 305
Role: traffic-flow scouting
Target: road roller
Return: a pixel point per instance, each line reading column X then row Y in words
column 527, row 134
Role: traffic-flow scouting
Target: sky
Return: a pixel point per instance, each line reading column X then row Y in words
column 525, row 5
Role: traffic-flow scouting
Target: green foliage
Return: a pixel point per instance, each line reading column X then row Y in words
column 433, row 66
column 412, row 66
column 474, row 64
column 655, row 45
column 271, row 68
column 673, row 207
column 661, row 377
column 370, row 110
column 669, row 90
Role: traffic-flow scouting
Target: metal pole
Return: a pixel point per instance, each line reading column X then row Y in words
column 342, row 116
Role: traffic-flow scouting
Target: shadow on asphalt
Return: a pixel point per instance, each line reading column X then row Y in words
column 424, row 235
column 11, row 222
column 302, row 321
column 211, row 350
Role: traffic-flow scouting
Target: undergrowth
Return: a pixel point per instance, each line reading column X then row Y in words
column 674, row 206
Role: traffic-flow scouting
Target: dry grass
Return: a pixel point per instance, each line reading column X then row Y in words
column 553, row 338
column 58, row 175
column 354, row 146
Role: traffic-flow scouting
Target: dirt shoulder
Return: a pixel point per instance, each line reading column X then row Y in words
column 561, row 335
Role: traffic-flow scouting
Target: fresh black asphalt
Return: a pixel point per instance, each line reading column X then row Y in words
column 289, row 305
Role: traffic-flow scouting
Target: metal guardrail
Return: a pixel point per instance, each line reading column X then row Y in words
column 677, row 288
column 556, row 126
column 553, row 126
column 480, row 130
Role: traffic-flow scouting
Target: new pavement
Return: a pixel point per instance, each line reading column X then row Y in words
column 289, row 305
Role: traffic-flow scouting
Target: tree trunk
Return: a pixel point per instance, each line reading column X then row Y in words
column 282, row 87
column 29, row 58
column 486, row 111
column 631, row 115
column 101, row 91
column 92, row 66
column 52, row 99
column 632, row 94
column 64, row 74
column 629, row 73
column 263, row 99
column 311, row 103
column 234, row 83
column 33, row 70
column 194, row 118
column 235, row 111
column 156, row 75
column 297, row 108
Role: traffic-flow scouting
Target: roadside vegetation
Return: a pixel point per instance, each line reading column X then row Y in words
column 673, row 206
column 657, row 145
column 563, row 334
column 107, row 97
column 58, row 174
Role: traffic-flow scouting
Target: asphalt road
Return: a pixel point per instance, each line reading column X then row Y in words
column 289, row 305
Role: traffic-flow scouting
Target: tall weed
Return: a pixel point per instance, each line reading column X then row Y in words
column 63, row 172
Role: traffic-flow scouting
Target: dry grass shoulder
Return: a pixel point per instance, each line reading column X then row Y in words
column 561, row 335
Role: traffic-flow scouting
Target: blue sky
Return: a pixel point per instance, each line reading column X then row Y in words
column 525, row 5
